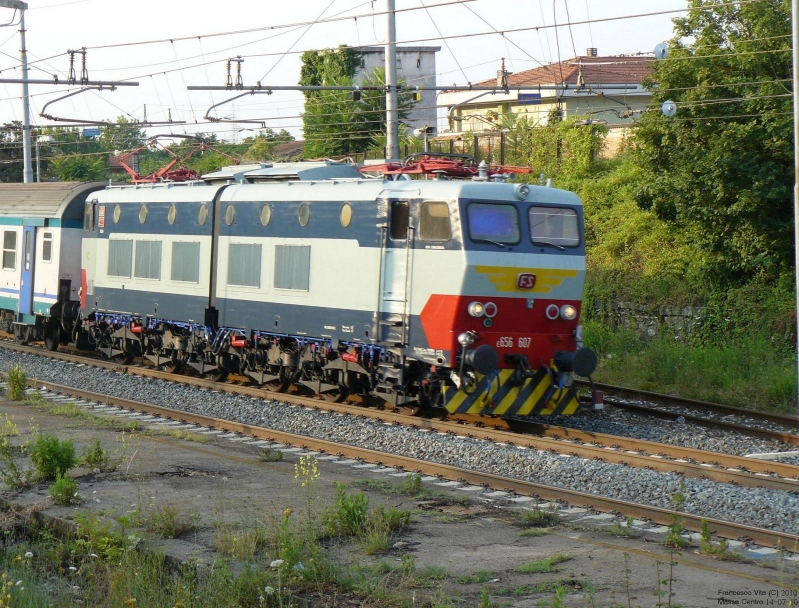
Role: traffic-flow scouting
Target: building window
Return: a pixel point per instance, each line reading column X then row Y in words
column 293, row 267
column 148, row 260
column 186, row 262
column 244, row 265
column 120, row 258
column 434, row 222
column 47, row 247
column 9, row 250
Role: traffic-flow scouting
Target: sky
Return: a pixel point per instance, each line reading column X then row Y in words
column 187, row 53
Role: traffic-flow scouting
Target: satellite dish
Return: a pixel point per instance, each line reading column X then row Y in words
column 661, row 51
column 669, row 108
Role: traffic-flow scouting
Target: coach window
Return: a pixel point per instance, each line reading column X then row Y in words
column 304, row 214
column 9, row 250
column 346, row 215
column 47, row 247
column 556, row 226
column 148, row 260
column 434, row 222
column 399, row 220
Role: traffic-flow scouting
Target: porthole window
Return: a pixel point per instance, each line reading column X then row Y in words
column 230, row 215
column 172, row 214
column 202, row 214
column 346, row 215
column 304, row 214
column 266, row 215
column 117, row 213
column 143, row 214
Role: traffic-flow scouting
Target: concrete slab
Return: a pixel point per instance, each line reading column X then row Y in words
column 471, row 489
column 449, row 484
column 600, row 517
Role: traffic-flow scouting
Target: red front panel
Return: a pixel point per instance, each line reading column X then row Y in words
column 515, row 330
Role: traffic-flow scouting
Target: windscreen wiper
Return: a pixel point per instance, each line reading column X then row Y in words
column 538, row 242
column 497, row 243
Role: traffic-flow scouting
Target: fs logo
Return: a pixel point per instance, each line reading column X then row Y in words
column 525, row 280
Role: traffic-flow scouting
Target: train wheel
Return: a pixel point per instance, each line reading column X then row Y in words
column 334, row 396
column 217, row 376
column 52, row 336
column 22, row 334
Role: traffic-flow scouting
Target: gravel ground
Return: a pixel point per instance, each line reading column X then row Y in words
column 753, row 506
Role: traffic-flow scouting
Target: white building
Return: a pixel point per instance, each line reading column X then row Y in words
column 416, row 66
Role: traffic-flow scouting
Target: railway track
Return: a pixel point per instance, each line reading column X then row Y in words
column 657, row 515
column 707, row 414
column 718, row 467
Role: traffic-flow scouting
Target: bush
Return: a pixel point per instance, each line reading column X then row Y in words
column 99, row 460
column 350, row 514
column 51, row 457
column 65, row 490
column 17, row 383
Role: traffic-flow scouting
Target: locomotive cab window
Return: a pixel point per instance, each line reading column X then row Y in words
column 493, row 223
column 434, row 222
column 47, row 247
column 9, row 250
column 400, row 216
column 555, row 226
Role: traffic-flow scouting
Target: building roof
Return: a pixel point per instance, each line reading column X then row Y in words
column 595, row 71
column 400, row 49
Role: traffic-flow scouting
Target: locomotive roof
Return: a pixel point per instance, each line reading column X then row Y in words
column 48, row 200
column 271, row 172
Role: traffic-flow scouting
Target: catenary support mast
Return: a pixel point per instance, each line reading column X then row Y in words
column 392, row 113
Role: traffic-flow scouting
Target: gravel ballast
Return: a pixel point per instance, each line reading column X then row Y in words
column 753, row 506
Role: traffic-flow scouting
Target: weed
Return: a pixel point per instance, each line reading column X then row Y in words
column 433, row 572
column 720, row 549
column 413, row 484
column 350, row 513
column 98, row 537
column 674, row 533
column 379, row 526
column 167, row 521
column 183, row 435
column 270, row 455
column 11, row 472
column 240, row 542
column 51, row 456
column 485, row 599
column 534, row 532
column 17, row 381
column 98, row 460
column 65, row 490
column 543, row 519
column 483, row 576
column 543, row 566
column 623, row 530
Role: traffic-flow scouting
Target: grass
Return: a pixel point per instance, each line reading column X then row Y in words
column 482, row 576
column 752, row 373
column 534, row 532
column 540, row 518
column 166, row 521
column 543, row 566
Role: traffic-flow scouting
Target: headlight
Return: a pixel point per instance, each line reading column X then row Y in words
column 568, row 312
column 476, row 309
column 552, row 312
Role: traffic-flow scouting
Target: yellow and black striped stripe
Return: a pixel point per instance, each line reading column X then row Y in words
column 497, row 395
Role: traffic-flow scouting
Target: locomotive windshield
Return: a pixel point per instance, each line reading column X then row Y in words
column 554, row 226
column 493, row 223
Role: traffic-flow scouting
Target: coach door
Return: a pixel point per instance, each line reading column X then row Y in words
column 397, row 248
column 26, row 282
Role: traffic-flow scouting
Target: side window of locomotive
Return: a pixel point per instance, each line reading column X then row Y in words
column 400, row 215
column 293, row 267
column 554, row 226
column 434, row 222
column 493, row 223
column 120, row 257
column 148, row 260
column 47, row 247
column 186, row 262
column 9, row 250
column 88, row 217
column 244, row 265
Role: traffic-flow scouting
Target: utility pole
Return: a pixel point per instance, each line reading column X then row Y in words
column 795, row 32
column 392, row 111
column 26, row 112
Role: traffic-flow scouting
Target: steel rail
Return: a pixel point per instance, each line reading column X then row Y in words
column 704, row 406
column 722, row 468
column 658, row 515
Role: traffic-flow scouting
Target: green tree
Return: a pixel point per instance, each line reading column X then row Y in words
column 722, row 168
column 124, row 135
column 11, row 161
column 261, row 147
